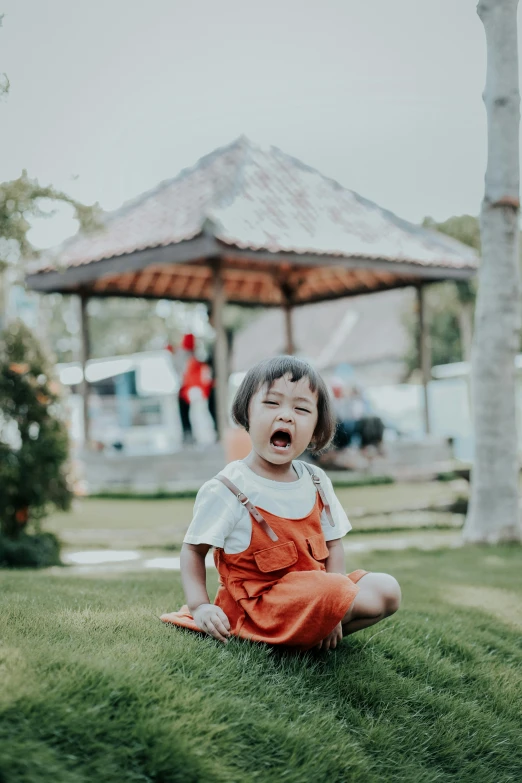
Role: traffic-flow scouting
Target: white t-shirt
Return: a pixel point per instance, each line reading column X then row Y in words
column 220, row 520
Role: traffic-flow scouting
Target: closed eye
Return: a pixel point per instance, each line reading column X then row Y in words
column 273, row 402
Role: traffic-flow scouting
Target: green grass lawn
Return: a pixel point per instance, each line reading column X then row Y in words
column 95, row 688
column 162, row 523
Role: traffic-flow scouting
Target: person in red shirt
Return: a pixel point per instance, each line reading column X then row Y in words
column 193, row 374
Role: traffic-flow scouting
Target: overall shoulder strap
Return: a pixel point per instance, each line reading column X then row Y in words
column 320, row 490
column 248, row 505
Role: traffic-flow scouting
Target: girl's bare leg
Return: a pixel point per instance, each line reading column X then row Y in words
column 379, row 596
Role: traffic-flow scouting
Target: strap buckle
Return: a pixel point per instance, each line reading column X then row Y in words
column 242, row 495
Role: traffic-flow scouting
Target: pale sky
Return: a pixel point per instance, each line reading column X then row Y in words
column 109, row 97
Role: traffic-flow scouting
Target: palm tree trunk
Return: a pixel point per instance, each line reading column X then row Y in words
column 493, row 513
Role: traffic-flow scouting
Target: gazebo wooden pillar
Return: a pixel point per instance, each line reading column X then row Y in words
column 287, row 300
column 424, row 352
column 289, row 330
column 220, row 347
column 85, row 355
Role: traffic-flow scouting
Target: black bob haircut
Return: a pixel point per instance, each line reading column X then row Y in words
column 265, row 373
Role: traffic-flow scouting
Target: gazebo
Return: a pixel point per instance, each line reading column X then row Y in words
column 251, row 226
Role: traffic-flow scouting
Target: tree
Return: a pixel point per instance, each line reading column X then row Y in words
column 444, row 332
column 450, row 304
column 21, row 199
column 116, row 325
column 493, row 514
column 466, row 229
column 33, row 436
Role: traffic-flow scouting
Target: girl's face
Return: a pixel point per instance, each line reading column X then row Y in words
column 282, row 419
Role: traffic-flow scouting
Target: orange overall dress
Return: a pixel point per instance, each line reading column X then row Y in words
column 278, row 591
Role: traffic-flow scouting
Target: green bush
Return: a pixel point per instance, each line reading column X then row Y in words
column 29, row 551
column 34, row 447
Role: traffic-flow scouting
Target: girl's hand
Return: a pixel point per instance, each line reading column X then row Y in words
column 330, row 643
column 212, row 620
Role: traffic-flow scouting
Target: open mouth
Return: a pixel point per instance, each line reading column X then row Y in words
column 281, row 440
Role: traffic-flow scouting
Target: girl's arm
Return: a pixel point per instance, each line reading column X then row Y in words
column 335, row 563
column 194, row 574
column 211, row 619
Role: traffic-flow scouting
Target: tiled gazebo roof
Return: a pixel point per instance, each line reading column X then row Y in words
column 280, row 229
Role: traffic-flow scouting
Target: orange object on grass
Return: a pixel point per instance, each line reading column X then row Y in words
column 279, row 592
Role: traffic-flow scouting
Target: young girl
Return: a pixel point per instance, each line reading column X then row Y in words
column 276, row 527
